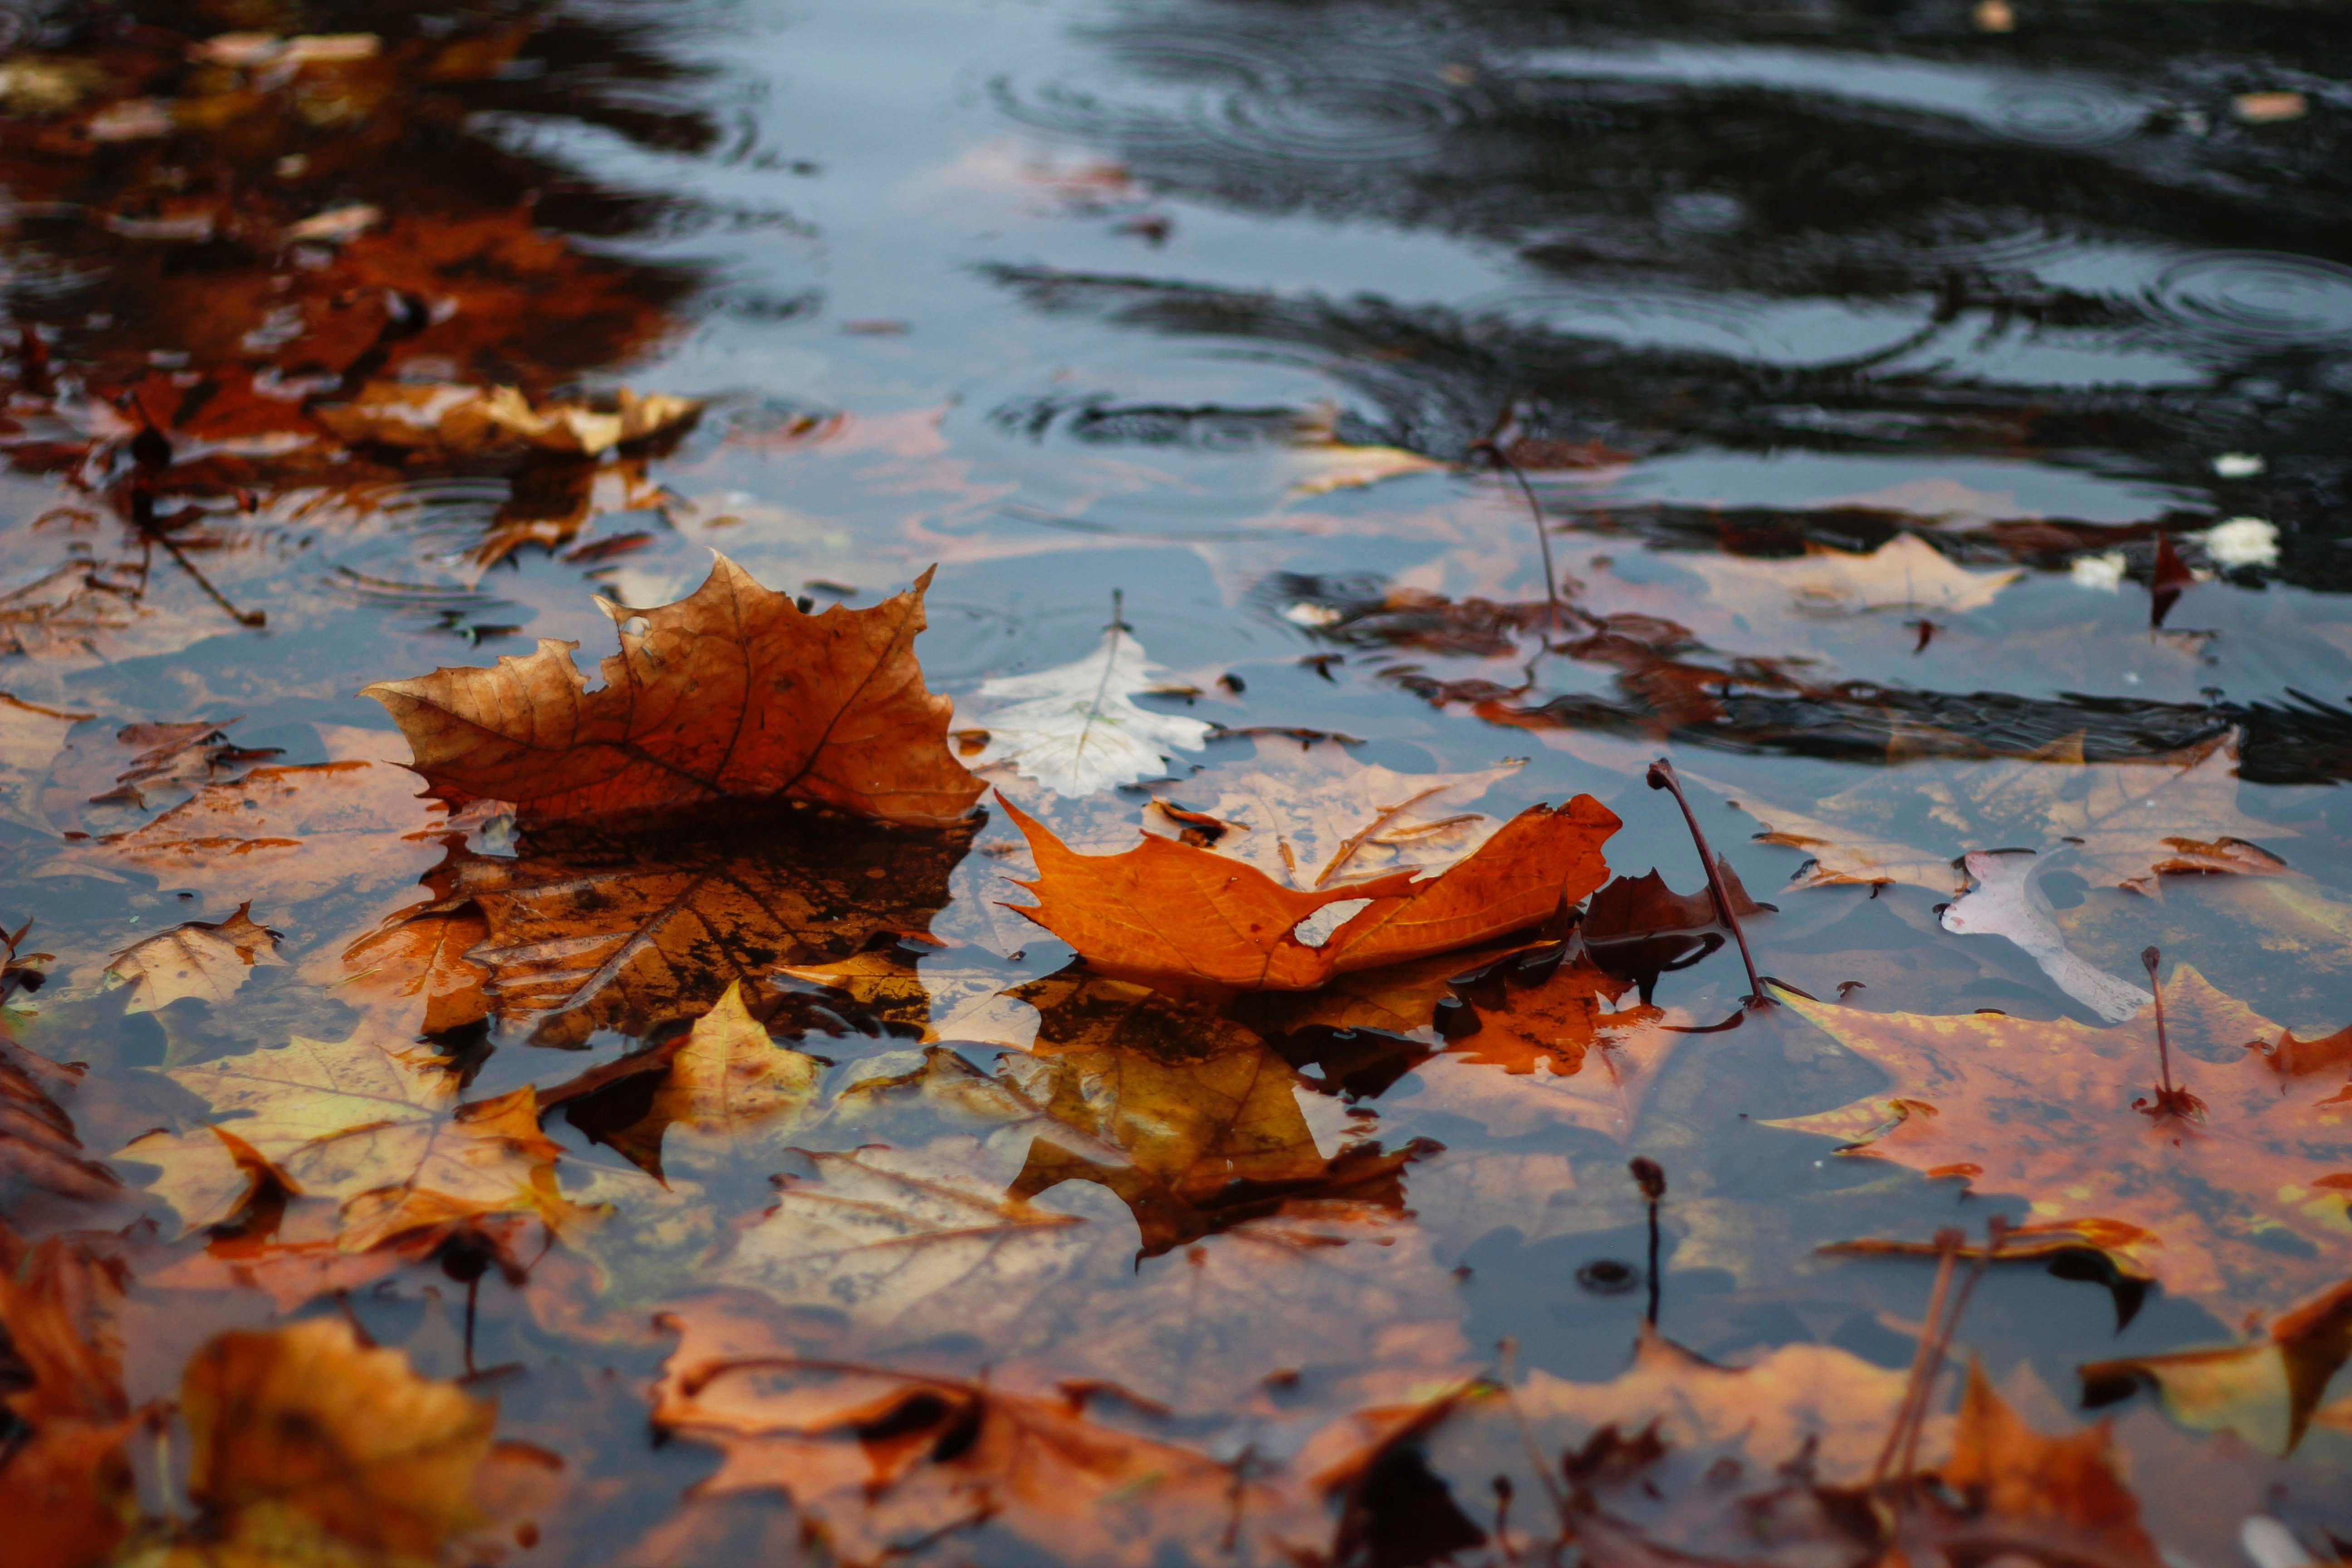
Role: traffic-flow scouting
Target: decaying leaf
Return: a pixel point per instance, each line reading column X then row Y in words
column 2268, row 1391
column 1077, row 728
column 2061, row 1112
column 380, row 1130
column 1313, row 816
column 460, row 421
column 38, row 1150
column 413, row 972
column 306, row 1446
column 2122, row 824
column 730, row 694
column 64, row 1478
column 1904, row 572
column 884, row 1462
column 590, row 930
column 1176, row 910
column 209, row 961
column 31, row 736
column 723, row 1088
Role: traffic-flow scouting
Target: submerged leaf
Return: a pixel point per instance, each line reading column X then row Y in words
column 207, row 960
column 1076, row 729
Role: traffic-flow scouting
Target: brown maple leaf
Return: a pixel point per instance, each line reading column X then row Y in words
column 881, row 1459
column 412, row 973
column 305, row 1445
column 2061, row 1112
column 64, row 1478
column 589, row 929
column 210, row 961
column 1189, row 915
column 38, row 1150
column 378, row 1130
column 730, row 694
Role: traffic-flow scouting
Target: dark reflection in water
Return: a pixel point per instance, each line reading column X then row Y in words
column 1836, row 229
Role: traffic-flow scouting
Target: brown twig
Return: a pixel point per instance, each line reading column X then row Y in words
column 2171, row 1100
column 1491, row 449
column 1651, row 1179
column 1661, row 777
column 1947, row 1248
column 1387, row 814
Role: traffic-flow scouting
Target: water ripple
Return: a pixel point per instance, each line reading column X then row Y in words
column 2255, row 299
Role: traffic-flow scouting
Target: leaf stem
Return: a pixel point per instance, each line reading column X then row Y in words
column 1490, row 446
column 1661, row 777
column 1651, row 1179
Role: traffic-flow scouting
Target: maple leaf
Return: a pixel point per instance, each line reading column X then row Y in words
column 378, row 1130
column 1191, row 915
column 916, row 1245
column 2124, row 824
column 956, row 992
column 64, row 1478
column 2269, row 1391
column 2048, row 1110
column 733, row 693
column 411, row 972
column 1904, row 572
column 1075, row 727
column 456, row 421
column 885, row 1462
column 207, row 960
column 1312, row 816
column 723, row 1088
column 306, row 1446
column 301, row 832
column 1555, row 1020
column 588, row 930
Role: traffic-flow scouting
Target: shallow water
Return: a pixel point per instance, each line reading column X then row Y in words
column 1046, row 294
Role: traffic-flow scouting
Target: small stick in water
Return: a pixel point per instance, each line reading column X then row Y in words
column 1651, row 1179
column 1661, row 777
column 2171, row 1100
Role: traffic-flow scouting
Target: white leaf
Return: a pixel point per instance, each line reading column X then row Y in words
column 1077, row 728
column 2005, row 902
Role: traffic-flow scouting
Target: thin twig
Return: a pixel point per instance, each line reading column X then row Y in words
column 1491, row 449
column 1347, row 850
column 1110, row 662
column 1661, row 777
column 1947, row 1247
column 1651, row 1179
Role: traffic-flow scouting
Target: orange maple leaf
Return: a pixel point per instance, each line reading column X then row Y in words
column 1169, row 910
column 731, row 693
column 2047, row 1110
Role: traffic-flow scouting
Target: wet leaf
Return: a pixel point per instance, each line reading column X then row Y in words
column 209, row 961
column 2052, row 1110
column 380, row 1130
column 885, row 1462
column 306, row 1445
column 65, row 1477
column 729, row 694
column 2267, row 1391
column 1173, row 910
column 1077, row 728
column 590, row 930
column 2124, row 823
column 2005, row 901
column 31, row 736
column 1904, row 572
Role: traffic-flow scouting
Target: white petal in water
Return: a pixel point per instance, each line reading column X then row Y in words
column 2270, row 1544
column 2104, row 572
column 2238, row 465
column 2005, row 902
column 2242, row 541
column 1076, row 729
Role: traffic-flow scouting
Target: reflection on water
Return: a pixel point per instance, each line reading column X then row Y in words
column 1290, row 324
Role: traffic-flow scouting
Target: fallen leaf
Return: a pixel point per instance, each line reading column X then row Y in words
column 1904, row 572
column 306, row 1446
column 2267, row 1391
column 1313, row 816
column 2046, row 1498
column 1077, row 728
column 884, row 1461
column 731, row 693
column 210, row 961
column 2051, row 1110
column 1552, row 1019
column 459, row 421
column 413, row 972
column 2123, row 824
column 1173, row 910
column 726, row 1089
column 378, row 1130
column 65, row 1477
column 590, row 930
column 2006, row 900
